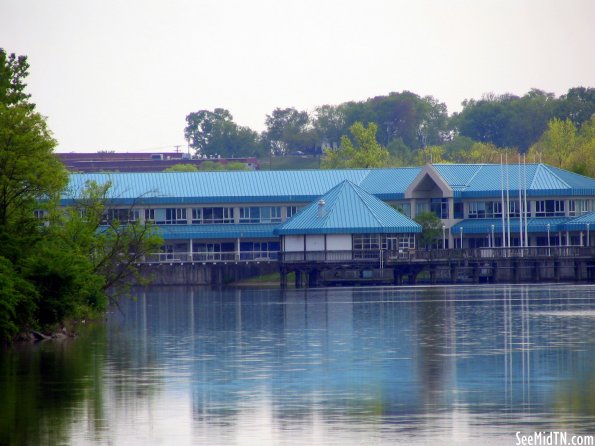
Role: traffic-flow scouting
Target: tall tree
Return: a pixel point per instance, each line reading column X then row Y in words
column 30, row 172
column 215, row 133
column 329, row 124
column 557, row 143
column 578, row 105
column 288, row 129
column 363, row 151
column 13, row 71
column 582, row 160
column 430, row 228
column 115, row 239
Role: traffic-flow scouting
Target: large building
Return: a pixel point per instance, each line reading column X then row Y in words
column 236, row 216
column 141, row 161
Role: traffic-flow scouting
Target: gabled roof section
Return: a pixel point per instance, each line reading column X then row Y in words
column 483, row 226
column 584, row 222
column 486, row 180
column 241, row 187
column 300, row 186
column 428, row 182
column 458, row 176
column 348, row 209
column 389, row 184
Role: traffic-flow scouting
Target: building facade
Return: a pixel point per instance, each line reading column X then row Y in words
column 245, row 216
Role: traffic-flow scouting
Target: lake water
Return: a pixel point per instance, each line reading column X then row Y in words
column 342, row 366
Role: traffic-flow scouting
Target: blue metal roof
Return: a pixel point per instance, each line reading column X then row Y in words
column 299, row 186
column 485, row 180
column 222, row 231
column 580, row 223
column 389, row 184
column 348, row 209
column 483, row 226
column 218, row 187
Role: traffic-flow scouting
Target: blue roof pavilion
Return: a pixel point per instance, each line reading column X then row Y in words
column 348, row 209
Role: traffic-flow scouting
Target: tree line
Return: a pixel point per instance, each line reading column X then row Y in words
column 56, row 263
column 407, row 125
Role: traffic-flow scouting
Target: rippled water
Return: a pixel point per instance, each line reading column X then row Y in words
column 341, row 366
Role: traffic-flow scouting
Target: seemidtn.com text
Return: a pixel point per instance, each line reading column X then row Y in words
column 553, row 438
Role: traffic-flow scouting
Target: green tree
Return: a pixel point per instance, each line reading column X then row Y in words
column 431, row 228
column 288, row 129
column 431, row 154
column 236, row 165
column 215, row 133
column 329, row 124
column 557, row 143
column 417, row 121
column 30, row 172
column 480, row 152
column 114, row 239
column 578, row 105
column 17, row 301
column 400, row 154
column 582, row 159
column 62, row 266
column 364, row 151
column 13, row 70
column 182, row 168
column 211, row 166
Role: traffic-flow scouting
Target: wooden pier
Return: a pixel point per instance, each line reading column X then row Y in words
column 489, row 265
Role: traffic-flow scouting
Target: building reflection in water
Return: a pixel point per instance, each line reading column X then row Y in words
column 330, row 366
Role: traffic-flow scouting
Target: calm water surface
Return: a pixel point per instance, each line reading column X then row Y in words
column 406, row 365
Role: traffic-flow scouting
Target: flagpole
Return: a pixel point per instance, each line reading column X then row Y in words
column 526, row 208
column 507, row 201
column 503, row 244
column 520, row 209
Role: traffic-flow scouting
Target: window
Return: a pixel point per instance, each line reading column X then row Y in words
column 459, row 209
column 204, row 216
column 175, row 216
column 477, row 209
column 579, row 207
column 421, row 207
column 375, row 242
column 150, row 215
column 120, row 215
column 404, row 208
column 259, row 250
column 549, row 208
column 439, row 206
column 485, row 209
column 213, row 251
column 266, row 214
column 291, row 211
column 250, row 215
column 366, row 241
column 406, row 242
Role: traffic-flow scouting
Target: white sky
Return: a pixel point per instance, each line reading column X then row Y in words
column 123, row 74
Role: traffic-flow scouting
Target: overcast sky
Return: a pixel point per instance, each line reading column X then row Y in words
column 123, row 74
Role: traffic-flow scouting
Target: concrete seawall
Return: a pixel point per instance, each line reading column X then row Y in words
column 204, row 274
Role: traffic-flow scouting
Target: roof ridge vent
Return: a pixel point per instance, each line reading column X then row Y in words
column 321, row 208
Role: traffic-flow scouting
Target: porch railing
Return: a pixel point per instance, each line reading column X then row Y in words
column 374, row 256
column 212, row 257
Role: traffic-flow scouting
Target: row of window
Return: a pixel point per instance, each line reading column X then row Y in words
column 391, row 242
column 272, row 214
column 543, row 208
column 218, row 215
column 493, row 209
